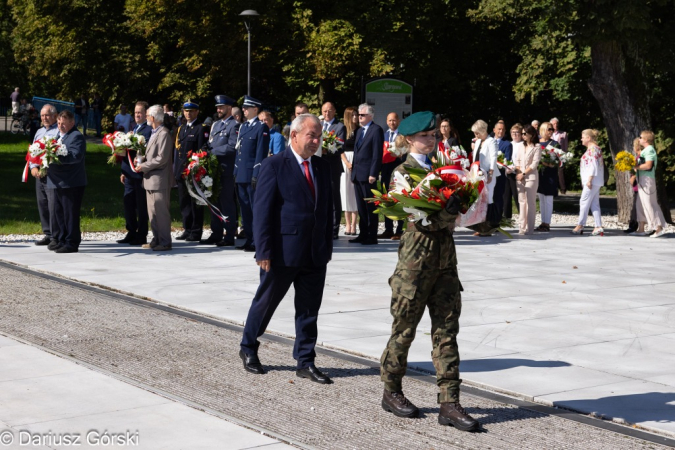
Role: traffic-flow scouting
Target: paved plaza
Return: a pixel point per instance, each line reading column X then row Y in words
column 585, row 323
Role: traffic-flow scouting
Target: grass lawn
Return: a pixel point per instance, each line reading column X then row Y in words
column 102, row 208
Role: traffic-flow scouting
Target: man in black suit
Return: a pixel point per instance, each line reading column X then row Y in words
column 293, row 232
column 365, row 170
column 387, row 170
column 65, row 187
column 332, row 124
column 135, row 201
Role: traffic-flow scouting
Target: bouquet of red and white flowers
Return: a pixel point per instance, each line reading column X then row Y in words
column 121, row 144
column 331, row 143
column 554, row 156
column 454, row 155
column 43, row 152
column 202, row 177
column 419, row 193
column 503, row 162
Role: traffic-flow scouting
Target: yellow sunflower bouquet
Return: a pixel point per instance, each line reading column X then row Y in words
column 624, row 161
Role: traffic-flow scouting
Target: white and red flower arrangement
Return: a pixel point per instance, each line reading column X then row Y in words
column 202, row 180
column 43, row 152
column 331, row 143
column 122, row 144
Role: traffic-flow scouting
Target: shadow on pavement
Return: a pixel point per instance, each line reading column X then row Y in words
column 494, row 364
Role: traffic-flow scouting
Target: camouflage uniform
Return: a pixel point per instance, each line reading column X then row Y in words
column 425, row 276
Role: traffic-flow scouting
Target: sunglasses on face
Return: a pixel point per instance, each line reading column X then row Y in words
column 363, row 115
column 549, row 129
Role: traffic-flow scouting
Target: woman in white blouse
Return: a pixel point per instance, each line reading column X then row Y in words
column 527, row 179
column 592, row 179
column 485, row 149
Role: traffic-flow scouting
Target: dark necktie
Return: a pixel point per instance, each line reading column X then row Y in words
column 361, row 136
column 308, row 176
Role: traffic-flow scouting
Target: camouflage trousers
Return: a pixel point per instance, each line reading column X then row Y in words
column 412, row 292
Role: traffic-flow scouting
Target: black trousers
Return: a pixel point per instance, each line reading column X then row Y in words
column 246, row 193
column 135, row 207
column 64, row 215
column 368, row 220
column 190, row 211
column 43, row 205
column 226, row 204
column 385, row 178
column 510, row 192
column 308, row 283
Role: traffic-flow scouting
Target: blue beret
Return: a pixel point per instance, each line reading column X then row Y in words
column 190, row 105
column 250, row 101
column 224, row 100
column 418, row 122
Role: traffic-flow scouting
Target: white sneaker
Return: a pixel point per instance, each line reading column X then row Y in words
column 658, row 234
column 637, row 233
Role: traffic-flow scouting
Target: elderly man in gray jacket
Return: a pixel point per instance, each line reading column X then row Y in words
column 158, row 179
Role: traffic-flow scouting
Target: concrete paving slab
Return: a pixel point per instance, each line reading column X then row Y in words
column 616, row 289
column 51, row 397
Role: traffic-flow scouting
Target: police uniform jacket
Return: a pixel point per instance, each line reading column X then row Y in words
column 146, row 131
column 71, row 172
column 191, row 137
column 254, row 144
column 223, row 140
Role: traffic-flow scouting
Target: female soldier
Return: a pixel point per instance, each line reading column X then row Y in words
column 426, row 275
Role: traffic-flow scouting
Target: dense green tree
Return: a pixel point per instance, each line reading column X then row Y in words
column 623, row 41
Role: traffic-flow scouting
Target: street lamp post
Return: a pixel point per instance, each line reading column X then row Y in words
column 248, row 14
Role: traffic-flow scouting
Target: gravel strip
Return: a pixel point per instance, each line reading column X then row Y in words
column 199, row 362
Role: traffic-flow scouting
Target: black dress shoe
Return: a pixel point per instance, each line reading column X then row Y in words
column 397, row 404
column 313, row 374
column 385, row 235
column 225, row 243
column 357, row 240
column 128, row 238
column 65, row 249
column 161, row 248
column 369, row 242
column 251, row 363
column 453, row 414
column 249, row 248
column 53, row 245
column 211, row 240
column 183, row 236
column 44, row 241
column 193, row 238
column 138, row 241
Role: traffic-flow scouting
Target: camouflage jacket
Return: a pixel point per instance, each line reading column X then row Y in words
column 427, row 247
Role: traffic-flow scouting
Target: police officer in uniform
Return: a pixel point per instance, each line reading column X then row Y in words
column 253, row 143
column 222, row 143
column 425, row 276
column 192, row 136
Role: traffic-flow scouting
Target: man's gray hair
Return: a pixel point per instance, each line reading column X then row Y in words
column 369, row 109
column 51, row 109
column 299, row 122
column 157, row 112
column 555, row 119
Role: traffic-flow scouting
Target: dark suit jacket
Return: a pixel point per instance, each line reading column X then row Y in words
column 146, row 131
column 71, row 172
column 254, row 147
column 290, row 228
column 189, row 138
column 368, row 153
column 334, row 159
column 507, row 149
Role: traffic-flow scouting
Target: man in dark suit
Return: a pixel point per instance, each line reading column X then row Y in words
column 135, row 201
column 387, row 170
column 294, row 242
column 365, row 170
column 222, row 143
column 332, row 124
column 506, row 148
column 191, row 137
column 253, row 143
column 65, row 187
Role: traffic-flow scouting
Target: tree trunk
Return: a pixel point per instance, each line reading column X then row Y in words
column 326, row 91
column 619, row 86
